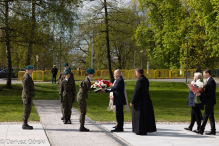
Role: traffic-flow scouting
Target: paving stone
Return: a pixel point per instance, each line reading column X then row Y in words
column 61, row 134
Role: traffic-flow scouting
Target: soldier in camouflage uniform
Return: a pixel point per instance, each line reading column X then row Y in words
column 67, row 96
column 84, row 87
column 60, row 79
column 61, row 76
column 27, row 95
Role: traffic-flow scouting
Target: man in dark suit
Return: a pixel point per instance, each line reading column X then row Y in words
column 209, row 100
column 118, row 100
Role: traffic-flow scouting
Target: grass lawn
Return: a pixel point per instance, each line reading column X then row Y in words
column 169, row 101
column 11, row 105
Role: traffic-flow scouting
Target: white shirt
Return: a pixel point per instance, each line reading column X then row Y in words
column 208, row 78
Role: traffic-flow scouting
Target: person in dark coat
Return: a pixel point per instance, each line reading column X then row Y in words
column 209, row 100
column 54, row 73
column 198, row 70
column 143, row 119
column 118, row 100
column 196, row 114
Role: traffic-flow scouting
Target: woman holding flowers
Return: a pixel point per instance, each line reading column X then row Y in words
column 196, row 114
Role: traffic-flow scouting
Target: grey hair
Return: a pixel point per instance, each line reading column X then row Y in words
column 198, row 75
column 118, row 71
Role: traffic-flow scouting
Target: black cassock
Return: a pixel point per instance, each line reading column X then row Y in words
column 143, row 119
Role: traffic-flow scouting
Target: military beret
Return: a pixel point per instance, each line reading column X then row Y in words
column 67, row 72
column 68, row 68
column 90, row 71
column 29, row 67
column 66, row 64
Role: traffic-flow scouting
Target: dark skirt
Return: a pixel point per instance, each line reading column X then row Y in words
column 143, row 119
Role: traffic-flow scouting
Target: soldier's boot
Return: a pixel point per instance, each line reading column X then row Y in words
column 65, row 120
column 83, row 129
column 62, row 118
column 26, row 126
column 69, row 120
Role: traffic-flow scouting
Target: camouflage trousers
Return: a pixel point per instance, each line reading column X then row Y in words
column 82, row 105
column 62, row 108
column 27, row 109
column 66, row 106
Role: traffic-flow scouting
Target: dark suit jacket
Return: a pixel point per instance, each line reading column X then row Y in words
column 54, row 71
column 208, row 95
column 118, row 92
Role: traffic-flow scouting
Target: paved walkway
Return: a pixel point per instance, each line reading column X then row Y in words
column 167, row 135
column 60, row 134
column 14, row 135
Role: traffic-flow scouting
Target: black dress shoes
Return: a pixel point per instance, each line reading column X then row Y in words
column 114, row 127
column 211, row 133
column 189, row 129
column 83, row 129
column 117, row 130
column 198, row 132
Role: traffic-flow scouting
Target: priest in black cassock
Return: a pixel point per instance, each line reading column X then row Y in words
column 143, row 119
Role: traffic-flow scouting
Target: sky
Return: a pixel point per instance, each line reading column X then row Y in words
column 87, row 4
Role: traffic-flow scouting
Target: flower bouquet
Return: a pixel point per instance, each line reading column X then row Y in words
column 197, row 86
column 100, row 84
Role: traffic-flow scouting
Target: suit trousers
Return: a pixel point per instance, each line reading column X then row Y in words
column 119, row 117
column 54, row 78
column 209, row 113
column 195, row 116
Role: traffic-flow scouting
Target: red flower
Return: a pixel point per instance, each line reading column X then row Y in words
column 196, row 90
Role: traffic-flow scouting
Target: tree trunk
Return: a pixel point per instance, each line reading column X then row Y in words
column 33, row 22
column 107, row 45
column 7, row 43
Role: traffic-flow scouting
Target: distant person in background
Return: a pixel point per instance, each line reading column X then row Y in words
column 54, row 73
column 198, row 70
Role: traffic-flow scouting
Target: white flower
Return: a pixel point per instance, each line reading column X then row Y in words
column 193, row 82
column 93, row 86
column 198, row 84
column 103, row 85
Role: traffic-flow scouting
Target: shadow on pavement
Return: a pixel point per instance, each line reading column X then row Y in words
column 71, row 130
column 160, row 132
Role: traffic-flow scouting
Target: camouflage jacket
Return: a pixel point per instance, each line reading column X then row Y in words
column 62, row 77
column 68, row 88
column 28, row 86
column 84, row 87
